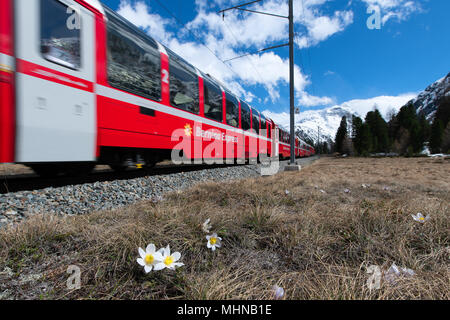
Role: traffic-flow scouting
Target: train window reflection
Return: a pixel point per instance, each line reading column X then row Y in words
column 133, row 61
column 60, row 34
column 213, row 101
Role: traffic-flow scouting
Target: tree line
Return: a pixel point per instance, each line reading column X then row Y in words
column 405, row 133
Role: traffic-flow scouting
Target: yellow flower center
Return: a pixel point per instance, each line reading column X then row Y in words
column 421, row 218
column 168, row 261
column 213, row 240
column 149, row 259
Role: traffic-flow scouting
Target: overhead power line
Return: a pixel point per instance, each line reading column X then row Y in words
column 239, row 6
column 262, row 50
column 195, row 35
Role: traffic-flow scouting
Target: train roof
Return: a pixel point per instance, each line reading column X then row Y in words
column 96, row 5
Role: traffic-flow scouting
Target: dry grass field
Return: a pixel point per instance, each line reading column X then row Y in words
column 316, row 240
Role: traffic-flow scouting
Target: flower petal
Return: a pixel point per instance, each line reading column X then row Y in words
column 158, row 257
column 167, row 250
column 150, row 248
column 159, row 266
column 176, row 256
column 141, row 252
column 178, row 264
column 213, row 248
column 148, row 269
column 140, row 261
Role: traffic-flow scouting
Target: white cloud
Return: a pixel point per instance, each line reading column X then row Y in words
column 307, row 100
column 383, row 103
column 139, row 14
column 240, row 33
column 320, row 27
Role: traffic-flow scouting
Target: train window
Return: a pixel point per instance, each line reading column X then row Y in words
column 263, row 125
column 213, row 100
column 60, row 35
column 183, row 85
column 255, row 121
column 245, row 116
column 133, row 61
column 232, row 110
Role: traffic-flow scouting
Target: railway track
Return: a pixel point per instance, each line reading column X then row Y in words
column 31, row 181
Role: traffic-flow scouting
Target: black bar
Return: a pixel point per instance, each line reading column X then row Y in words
column 266, row 13
column 241, row 5
column 265, row 49
column 147, row 111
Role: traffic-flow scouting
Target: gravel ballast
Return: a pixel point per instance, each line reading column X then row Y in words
column 85, row 198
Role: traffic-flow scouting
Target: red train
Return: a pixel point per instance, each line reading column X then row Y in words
column 80, row 85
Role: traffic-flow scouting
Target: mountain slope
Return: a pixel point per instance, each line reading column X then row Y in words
column 427, row 101
column 307, row 122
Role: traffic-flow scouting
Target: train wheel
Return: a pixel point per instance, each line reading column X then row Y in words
column 46, row 170
column 149, row 166
column 78, row 170
column 118, row 168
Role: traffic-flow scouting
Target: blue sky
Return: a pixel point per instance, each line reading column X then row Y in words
column 339, row 61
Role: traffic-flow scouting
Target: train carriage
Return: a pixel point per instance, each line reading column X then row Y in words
column 81, row 85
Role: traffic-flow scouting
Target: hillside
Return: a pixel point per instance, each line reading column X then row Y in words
column 308, row 122
column 427, row 101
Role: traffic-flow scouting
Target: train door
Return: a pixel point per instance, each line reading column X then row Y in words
column 276, row 140
column 55, row 51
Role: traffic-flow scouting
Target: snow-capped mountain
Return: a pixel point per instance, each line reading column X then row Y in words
column 329, row 119
column 312, row 122
column 427, row 101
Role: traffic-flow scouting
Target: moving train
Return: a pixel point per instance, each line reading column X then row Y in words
column 80, row 86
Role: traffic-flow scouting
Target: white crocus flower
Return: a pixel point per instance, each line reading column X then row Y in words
column 149, row 258
column 213, row 241
column 287, row 192
column 395, row 272
column 206, row 226
column 278, row 292
column 420, row 218
column 168, row 260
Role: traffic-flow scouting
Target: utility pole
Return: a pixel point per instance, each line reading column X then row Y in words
column 291, row 60
column 291, row 78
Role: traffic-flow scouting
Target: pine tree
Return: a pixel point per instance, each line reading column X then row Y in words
column 341, row 134
column 379, row 131
column 437, row 130
column 356, row 133
column 366, row 139
column 443, row 111
column 417, row 140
